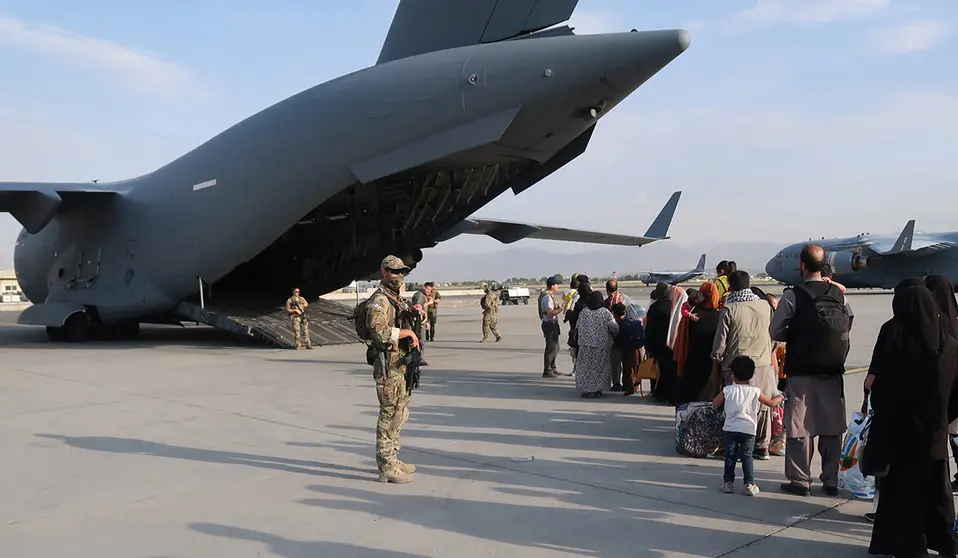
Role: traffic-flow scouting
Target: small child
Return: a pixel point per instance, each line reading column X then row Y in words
column 741, row 420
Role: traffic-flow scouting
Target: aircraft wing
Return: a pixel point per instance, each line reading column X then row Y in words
column 421, row 26
column 34, row 204
column 508, row 232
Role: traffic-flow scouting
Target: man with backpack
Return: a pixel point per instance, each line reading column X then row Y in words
column 380, row 322
column 814, row 319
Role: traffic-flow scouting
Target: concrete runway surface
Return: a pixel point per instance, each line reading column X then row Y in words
column 188, row 443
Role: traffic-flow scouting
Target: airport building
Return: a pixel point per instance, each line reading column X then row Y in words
column 9, row 287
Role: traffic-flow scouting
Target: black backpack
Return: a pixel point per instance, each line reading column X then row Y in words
column 823, row 325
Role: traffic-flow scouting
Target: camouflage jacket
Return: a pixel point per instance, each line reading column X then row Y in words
column 434, row 309
column 492, row 304
column 296, row 303
column 383, row 323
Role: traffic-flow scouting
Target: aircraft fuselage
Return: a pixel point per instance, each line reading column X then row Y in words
column 239, row 195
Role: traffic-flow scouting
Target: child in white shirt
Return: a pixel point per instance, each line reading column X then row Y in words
column 741, row 420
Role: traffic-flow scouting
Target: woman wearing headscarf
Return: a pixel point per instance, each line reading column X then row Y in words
column 914, row 364
column 943, row 290
column 596, row 331
column 662, row 324
column 693, row 349
column 583, row 290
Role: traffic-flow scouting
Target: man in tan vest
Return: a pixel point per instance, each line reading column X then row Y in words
column 743, row 331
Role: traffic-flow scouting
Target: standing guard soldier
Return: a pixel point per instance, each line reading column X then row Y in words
column 490, row 312
column 296, row 308
column 388, row 343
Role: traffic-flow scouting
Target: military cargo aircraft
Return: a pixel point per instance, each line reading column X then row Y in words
column 875, row 261
column 672, row 277
column 466, row 101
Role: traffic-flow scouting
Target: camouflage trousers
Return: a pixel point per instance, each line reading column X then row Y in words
column 301, row 330
column 490, row 323
column 393, row 413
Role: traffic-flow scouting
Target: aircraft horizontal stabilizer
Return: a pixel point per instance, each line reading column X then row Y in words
column 421, row 26
column 508, row 232
column 34, row 204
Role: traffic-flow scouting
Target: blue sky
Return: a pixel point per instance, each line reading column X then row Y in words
column 852, row 104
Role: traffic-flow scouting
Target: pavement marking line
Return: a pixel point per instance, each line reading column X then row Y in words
column 856, row 370
column 787, row 527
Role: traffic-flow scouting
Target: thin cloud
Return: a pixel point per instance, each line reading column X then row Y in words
column 809, row 11
column 912, row 37
column 140, row 70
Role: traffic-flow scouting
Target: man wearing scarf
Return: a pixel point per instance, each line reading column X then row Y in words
column 388, row 345
column 815, row 404
column 743, row 330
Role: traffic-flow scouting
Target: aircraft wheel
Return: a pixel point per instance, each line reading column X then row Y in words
column 128, row 331
column 525, row 301
column 55, row 333
column 77, row 328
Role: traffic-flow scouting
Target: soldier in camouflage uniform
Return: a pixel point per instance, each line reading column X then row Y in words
column 389, row 344
column 296, row 308
column 490, row 314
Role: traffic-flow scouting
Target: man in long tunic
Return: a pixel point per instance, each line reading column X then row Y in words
column 815, row 404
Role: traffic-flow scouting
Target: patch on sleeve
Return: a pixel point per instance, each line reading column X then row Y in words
column 375, row 305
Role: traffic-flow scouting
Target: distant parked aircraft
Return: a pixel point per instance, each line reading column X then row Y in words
column 673, row 277
column 882, row 261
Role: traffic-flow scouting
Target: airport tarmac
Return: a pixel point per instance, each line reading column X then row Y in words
column 191, row 443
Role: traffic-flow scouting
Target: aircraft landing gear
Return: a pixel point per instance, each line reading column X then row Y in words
column 127, row 331
column 75, row 330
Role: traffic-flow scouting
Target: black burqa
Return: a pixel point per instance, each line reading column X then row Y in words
column 944, row 292
column 914, row 363
column 656, row 344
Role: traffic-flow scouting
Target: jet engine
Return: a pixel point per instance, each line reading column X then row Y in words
column 845, row 262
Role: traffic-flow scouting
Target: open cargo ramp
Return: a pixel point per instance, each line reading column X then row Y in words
column 330, row 323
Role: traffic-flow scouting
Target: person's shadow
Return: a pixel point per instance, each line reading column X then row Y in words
column 289, row 548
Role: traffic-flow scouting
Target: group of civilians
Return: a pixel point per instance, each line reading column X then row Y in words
column 798, row 344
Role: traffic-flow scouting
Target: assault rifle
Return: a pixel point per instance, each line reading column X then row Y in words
column 411, row 319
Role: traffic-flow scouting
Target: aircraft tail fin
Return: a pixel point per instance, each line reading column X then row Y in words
column 660, row 227
column 903, row 244
column 700, row 267
column 421, row 26
column 34, row 204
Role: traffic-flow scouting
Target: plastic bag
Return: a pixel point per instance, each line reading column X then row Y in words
column 633, row 310
column 777, row 444
column 698, row 429
column 850, row 476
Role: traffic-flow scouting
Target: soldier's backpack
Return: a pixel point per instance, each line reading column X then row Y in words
column 483, row 303
column 359, row 316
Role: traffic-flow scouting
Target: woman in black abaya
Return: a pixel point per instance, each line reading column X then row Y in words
column 914, row 365
column 943, row 290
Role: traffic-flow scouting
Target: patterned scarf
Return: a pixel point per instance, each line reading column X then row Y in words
column 745, row 295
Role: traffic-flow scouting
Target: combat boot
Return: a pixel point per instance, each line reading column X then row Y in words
column 394, row 475
column 406, row 467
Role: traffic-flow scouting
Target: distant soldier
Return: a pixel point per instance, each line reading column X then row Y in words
column 433, row 311
column 490, row 313
column 423, row 299
column 388, row 343
column 296, row 308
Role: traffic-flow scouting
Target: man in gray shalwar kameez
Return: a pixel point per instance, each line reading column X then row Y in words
column 815, row 368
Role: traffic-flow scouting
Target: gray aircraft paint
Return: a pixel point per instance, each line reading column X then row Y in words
column 673, row 277
column 133, row 249
column 875, row 261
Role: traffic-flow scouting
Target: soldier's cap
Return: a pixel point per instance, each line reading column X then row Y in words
column 394, row 264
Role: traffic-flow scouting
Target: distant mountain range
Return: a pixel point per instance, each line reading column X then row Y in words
column 530, row 262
